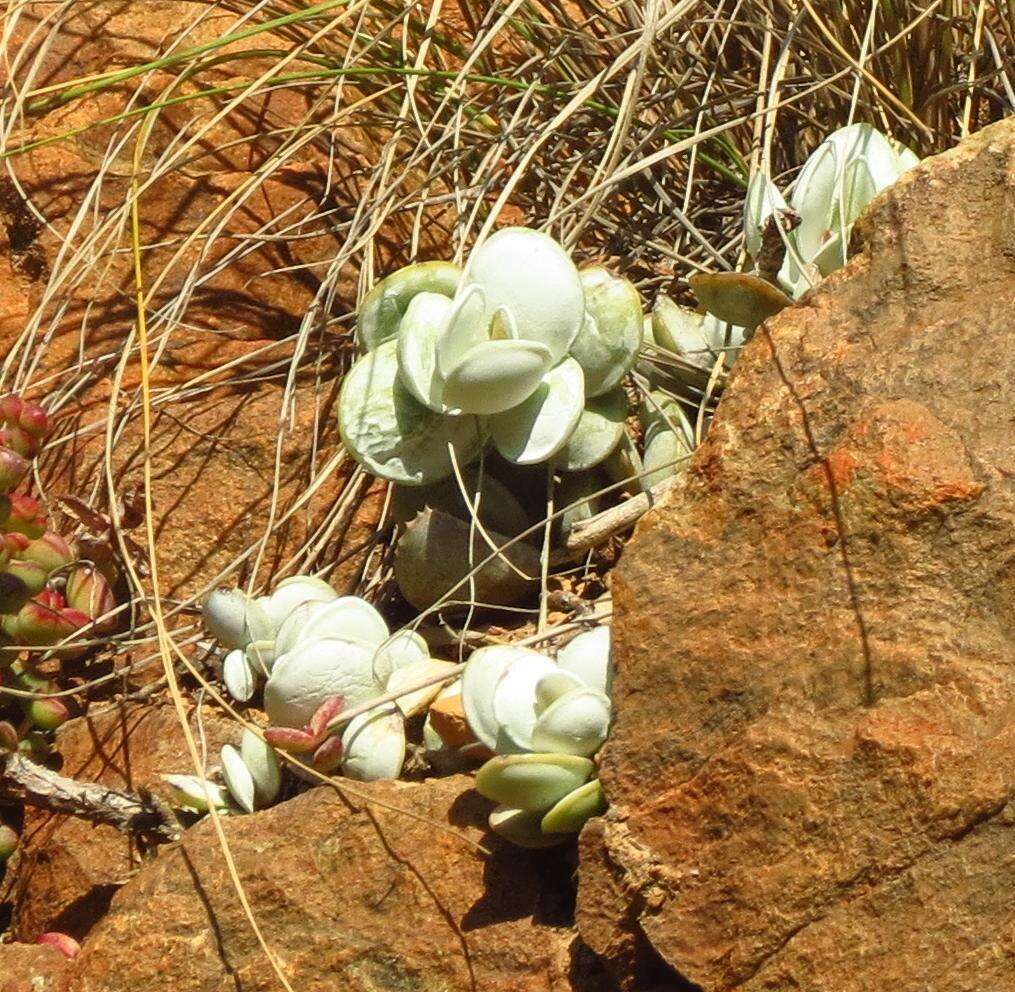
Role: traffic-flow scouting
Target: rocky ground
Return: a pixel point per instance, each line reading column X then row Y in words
column 813, row 764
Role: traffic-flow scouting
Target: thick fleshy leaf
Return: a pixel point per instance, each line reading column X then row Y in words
column 499, row 508
column 514, row 701
column 555, row 684
column 666, row 454
column 522, row 827
column 291, row 593
column 415, row 702
column 432, row 563
column 262, row 762
column 589, row 656
column 391, row 433
column 421, row 329
column 611, row 332
column 195, row 793
column 467, row 325
column 530, row 274
column 680, row 331
column 738, row 297
column 479, row 683
column 819, row 189
column 348, row 617
column 661, row 411
column 575, row 499
column 539, row 427
column 597, row 433
column 314, row 672
column 576, row 808
column 374, row 745
column 532, row 781
column 575, row 723
column 383, row 307
column 224, row 615
column 403, row 648
column 239, row 676
column 763, row 199
column 238, row 779
column 494, row 376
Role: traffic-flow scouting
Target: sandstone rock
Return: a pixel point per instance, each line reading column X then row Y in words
column 347, row 898
column 813, row 763
column 68, row 869
column 31, row 968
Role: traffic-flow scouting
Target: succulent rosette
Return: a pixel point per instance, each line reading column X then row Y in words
column 508, row 351
column 315, row 653
column 842, row 176
column 844, row 173
column 545, row 720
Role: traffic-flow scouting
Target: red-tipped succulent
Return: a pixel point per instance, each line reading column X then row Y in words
column 47, row 594
column 313, row 739
column 61, row 942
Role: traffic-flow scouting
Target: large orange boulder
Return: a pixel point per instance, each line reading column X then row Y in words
column 347, row 896
column 813, row 764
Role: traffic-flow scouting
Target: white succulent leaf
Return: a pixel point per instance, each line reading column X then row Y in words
column 762, row 201
column 374, row 745
column 541, row 425
column 313, row 672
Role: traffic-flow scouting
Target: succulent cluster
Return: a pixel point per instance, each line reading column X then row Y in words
column 545, row 720
column 513, row 350
column 47, row 593
column 811, row 232
column 313, row 653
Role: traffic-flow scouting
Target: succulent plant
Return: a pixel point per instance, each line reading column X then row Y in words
column 508, row 350
column 846, row 171
column 316, row 652
column 46, row 593
column 545, row 720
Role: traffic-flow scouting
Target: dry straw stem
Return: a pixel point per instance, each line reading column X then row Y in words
column 627, row 129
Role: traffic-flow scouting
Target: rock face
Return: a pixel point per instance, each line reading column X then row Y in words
column 31, row 968
column 69, row 869
column 813, row 765
column 346, row 898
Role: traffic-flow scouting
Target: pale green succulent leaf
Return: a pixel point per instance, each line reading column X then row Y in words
column 238, row 676
column 532, row 781
column 316, row 671
column 572, row 812
column 514, row 702
column 383, row 307
column 530, row 274
column 237, row 778
column 763, row 199
column 468, row 324
column 589, row 657
column 611, row 333
column 402, row 649
column 540, row 426
column 575, row 723
column 598, row 431
column 265, row 770
column 393, row 435
column 374, row 745
column 494, row 376
column 522, row 827
column 422, row 326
